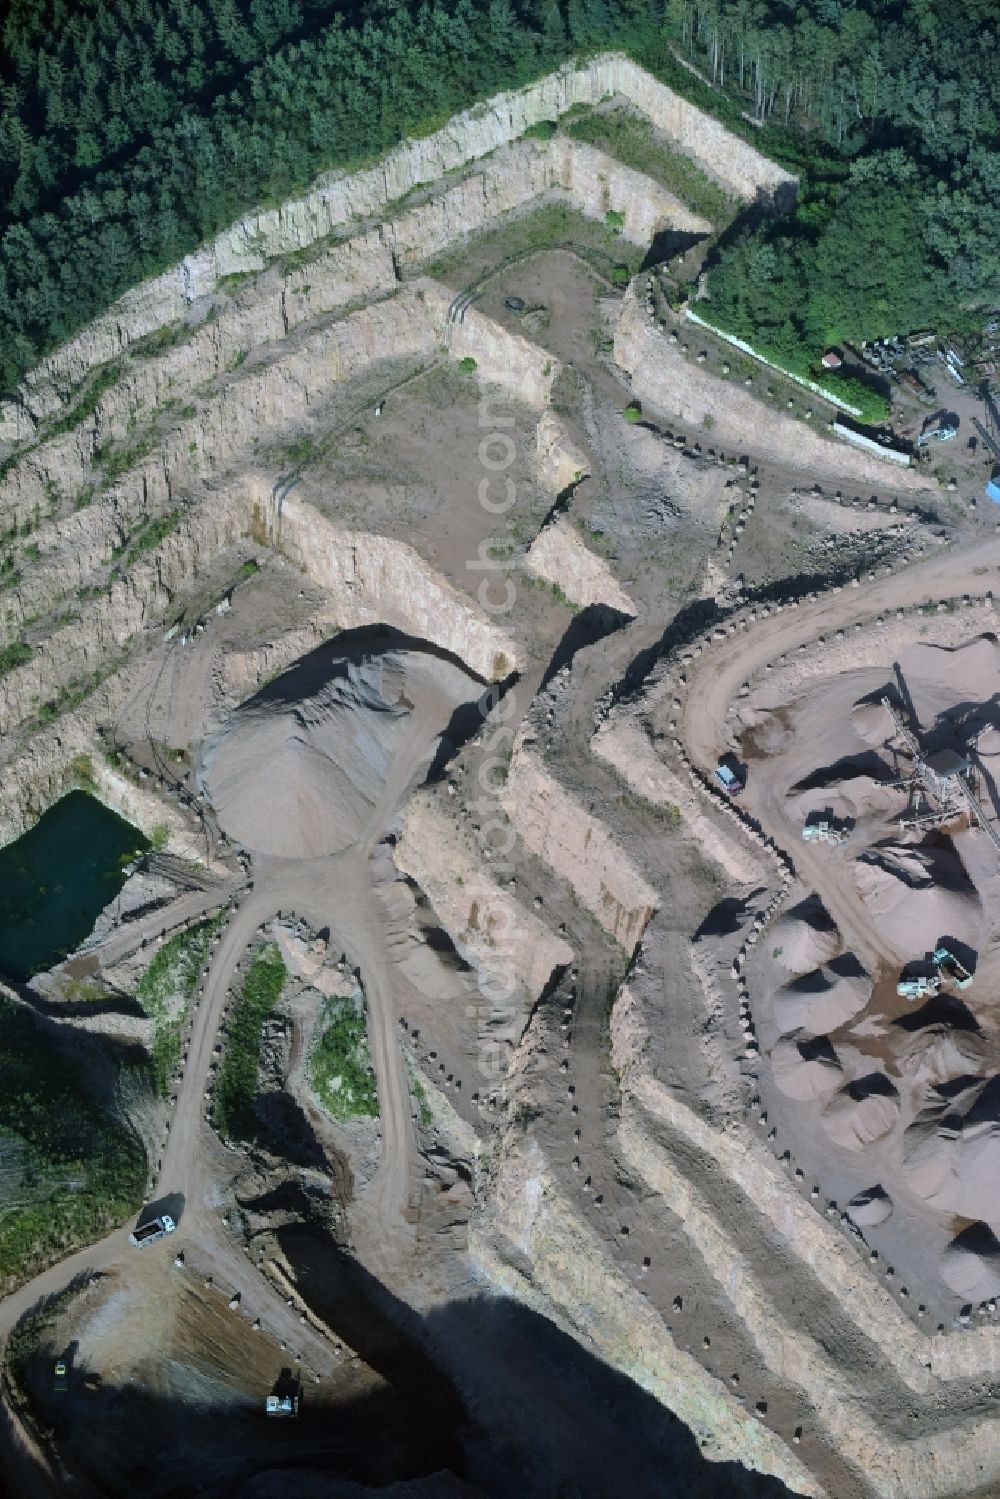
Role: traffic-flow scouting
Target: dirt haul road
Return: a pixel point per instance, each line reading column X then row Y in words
column 715, row 678
column 163, row 922
column 338, row 895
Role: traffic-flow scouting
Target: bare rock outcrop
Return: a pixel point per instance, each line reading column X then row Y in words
column 559, row 556
column 491, row 929
column 377, row 580
column 578, row 848
column 560, row 462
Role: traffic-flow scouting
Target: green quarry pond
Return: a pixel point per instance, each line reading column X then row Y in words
column 57, row 878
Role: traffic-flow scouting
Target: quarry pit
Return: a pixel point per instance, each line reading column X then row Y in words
column 406, row 601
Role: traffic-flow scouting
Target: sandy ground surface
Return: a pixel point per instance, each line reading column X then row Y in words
column 879, row 917
column 303, row 780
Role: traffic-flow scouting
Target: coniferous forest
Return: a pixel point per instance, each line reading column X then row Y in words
column 131, row 130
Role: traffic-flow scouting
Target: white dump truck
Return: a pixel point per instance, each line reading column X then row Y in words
column 156, row 1228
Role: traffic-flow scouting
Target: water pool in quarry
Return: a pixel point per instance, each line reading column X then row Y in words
column 57, row 878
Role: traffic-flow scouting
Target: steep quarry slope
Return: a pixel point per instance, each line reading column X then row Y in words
column 560, row 557
column 373, row 579
column 337, row 202
column 483, row 920
column 670, row 383
column 535, row 1247
column 577, row 846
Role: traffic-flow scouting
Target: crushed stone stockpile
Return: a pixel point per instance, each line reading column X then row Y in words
column 806, row 937
column 299, row 769
column 970, row 1265
column 824, row 999
column 898, row 1102
column 953, row 1150
column 918, row 889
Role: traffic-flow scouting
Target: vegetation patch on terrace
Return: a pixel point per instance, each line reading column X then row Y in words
column 166, row 990
column 477, row 259
column 340, row 1064
column 631, row 139
column 863, row 399
column 236, row 1086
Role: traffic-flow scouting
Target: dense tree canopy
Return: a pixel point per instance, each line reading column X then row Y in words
column 899, row 227
column 130, row 130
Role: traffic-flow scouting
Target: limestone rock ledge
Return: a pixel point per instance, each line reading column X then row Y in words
column 490, row 928
column 559, row 556
column 530, row 1245
column 578, row 848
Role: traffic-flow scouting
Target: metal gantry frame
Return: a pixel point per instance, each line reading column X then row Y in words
column 924, row 787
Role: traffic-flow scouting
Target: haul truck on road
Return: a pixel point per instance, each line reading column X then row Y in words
column 156, row 1228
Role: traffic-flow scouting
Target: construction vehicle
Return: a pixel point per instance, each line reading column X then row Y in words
column 948, row 973
column 943, row 432
column 156, row 1228
column 281, row 1405
column 824, row 832
column 60, row 1380
column 919, row 986
column 729, row 782
column 950, row 968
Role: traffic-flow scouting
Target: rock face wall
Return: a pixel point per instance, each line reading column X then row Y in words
column 579, row 848
column 685, row 391
column 259, row 399
column 524, row 370
column 560, row 462
column 259, row 317
column 375, row 580
column 733, row 162
column 491, row 929
column 335, row 202
column 597, row 183
column 142, row 597
column 560, row 557
column 533, row 1246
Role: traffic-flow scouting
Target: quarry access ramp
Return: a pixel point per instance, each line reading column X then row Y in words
column 335, row 894
column 719, row 673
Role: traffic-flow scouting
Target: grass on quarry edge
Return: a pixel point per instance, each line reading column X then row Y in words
column 871, row 405
column 232, row 1105
column 542, row 228
column 419, row 1093
column 172, row 976
column 69, row 1170
column 340, row 1066
column 630, row 139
